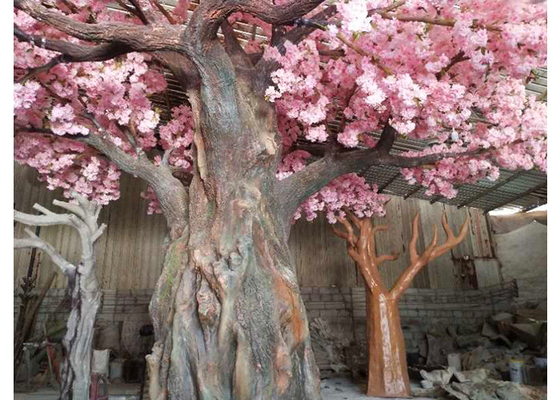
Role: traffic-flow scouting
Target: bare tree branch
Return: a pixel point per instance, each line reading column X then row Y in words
column 433, row 251
column 72, row 52
column 279, row 14
column 36, row 242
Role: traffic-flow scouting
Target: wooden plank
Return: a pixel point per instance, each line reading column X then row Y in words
column 480, row 234
column 456, row 218
column 440, row 271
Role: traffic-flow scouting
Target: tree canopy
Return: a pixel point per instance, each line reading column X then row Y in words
column 452, row 72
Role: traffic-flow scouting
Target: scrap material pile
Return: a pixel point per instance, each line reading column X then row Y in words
column 505, row 359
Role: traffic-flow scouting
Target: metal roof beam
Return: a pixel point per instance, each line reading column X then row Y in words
column 385, row 185
column 490, row 189
column 517, row 197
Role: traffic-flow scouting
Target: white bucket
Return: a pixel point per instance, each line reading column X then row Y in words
column 454, row 360
column 516, row 367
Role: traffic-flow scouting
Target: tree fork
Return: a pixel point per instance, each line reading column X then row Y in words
column 388, row 375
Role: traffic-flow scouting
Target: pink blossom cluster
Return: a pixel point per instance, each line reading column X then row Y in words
column 70, row 165
column 350, row 192
column 65, row 99
column 177, row 135
column 451, row 73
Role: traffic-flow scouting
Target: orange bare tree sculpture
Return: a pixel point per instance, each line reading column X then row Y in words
column 388, row 376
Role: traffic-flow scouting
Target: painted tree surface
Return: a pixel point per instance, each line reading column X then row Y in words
column 387, row 367
column 254, row 147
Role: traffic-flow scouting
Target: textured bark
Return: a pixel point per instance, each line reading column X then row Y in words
column 82, row 286
column 236, row 327
column 78, row 340
column 388, row 375
column 228, row 317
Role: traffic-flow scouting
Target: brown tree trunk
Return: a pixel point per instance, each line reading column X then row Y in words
column 237, row 327
column 388, row 375
column 229, row 320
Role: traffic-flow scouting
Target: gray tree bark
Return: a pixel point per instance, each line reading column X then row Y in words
column 82, row 285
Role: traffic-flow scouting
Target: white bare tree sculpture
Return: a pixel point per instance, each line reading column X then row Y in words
column 82, row 284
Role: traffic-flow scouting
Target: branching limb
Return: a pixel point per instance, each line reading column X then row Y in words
column 295, row 189
column 138, row 38
column 361, row 248
column 36, row 242
column 72, row 52
column 83, row 219
column 232, row 45
column 433, row 251
column 169, row 190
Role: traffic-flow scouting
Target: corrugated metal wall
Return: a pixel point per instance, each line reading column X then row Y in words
column 322, row 260
column 130, row 253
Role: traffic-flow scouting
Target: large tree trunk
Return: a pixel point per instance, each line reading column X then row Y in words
column 78, row 340
column 388, row 375
column 238, row 329
column 228, row 317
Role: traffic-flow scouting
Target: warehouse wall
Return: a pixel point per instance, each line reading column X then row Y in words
column 471, row 264
column 340, row 314
column 130, row 252
column 523, row 256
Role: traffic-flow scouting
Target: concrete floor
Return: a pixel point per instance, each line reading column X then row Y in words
column 332, row 389
column 346, row 389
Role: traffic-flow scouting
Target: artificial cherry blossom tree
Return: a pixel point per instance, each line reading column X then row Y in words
column 83, row 286
column 273, row 129
column 387, row 367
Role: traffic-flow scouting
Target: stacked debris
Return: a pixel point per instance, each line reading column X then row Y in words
column 328, row 348
column 498, row 361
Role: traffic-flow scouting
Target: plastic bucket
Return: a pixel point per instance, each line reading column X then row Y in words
column 516, row 367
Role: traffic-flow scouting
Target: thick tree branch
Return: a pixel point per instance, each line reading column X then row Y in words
column 233, row 48
column 279, row 14
column 296, row 188
column 169, row 190
column 36, row 242
column 138, row 38
column 73, row 52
